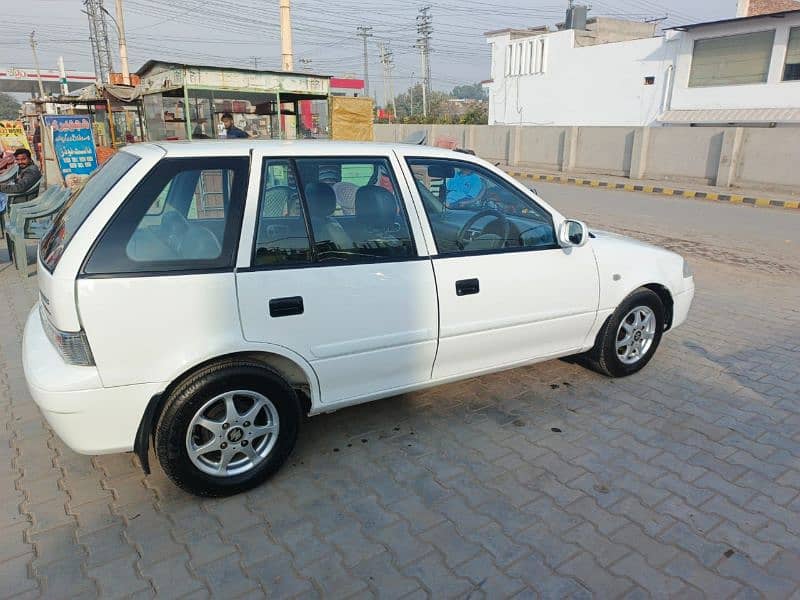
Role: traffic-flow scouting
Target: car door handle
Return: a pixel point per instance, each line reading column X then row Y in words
column 285, row 307
column 465, row 287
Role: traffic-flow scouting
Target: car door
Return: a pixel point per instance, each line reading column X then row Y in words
column 159, row 282
column 508, row 293
column 331, row 268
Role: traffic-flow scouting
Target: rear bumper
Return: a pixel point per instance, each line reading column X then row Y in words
column 681, row 305
column 89, row 418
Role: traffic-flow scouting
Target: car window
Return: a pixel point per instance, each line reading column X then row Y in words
column 282, row 236
column 184, row 215
column 80, row 204
column 471, row 209
column 330, row 210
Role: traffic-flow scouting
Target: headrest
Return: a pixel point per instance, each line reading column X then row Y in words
column 376, row 206
column 321, row 200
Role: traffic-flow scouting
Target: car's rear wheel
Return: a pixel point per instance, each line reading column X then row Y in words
column 630, row 337
column 227, row 428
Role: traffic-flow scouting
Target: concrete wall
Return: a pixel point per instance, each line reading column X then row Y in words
column 605, row 150
column 769, row 158
column 755, row 158
column 541, row 147
column 683, row 154
column 491, row 142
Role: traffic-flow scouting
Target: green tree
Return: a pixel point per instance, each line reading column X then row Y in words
column 477, row 114
column 9, row 108
column 473, row 91
column 437, row 106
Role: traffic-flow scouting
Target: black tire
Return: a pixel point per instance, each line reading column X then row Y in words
column 190, row 395
column 603, row 358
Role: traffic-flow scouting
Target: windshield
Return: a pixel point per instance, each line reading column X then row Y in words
column 80, row 205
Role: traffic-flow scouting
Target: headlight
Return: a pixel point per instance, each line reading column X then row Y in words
column 687, row 270
column 73, row 347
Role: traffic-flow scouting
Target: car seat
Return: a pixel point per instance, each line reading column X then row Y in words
column 346, row 196
column 321, row 205
column 376, row 217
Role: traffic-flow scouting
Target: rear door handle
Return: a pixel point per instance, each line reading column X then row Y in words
column 285, row 307
column 465, row 287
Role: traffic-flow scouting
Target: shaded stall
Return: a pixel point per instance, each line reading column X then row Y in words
column 115, row 112
column 187, row 101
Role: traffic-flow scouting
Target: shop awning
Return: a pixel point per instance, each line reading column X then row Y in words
column 731, row 116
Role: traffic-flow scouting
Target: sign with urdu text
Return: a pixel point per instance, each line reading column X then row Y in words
column 73, row 142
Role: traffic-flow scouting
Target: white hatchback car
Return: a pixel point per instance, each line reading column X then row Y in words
column 204, row 296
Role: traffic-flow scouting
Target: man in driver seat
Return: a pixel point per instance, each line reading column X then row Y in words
column 464, row 189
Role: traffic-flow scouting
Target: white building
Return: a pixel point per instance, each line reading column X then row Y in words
column 612, row 73
column 743, row 71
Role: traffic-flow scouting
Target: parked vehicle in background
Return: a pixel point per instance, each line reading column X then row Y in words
column 203, row 296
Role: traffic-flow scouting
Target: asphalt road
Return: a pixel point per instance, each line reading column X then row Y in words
column 766, row 239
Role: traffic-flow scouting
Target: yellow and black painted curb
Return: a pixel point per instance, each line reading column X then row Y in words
column 664, row 191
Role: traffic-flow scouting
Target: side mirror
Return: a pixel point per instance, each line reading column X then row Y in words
column 572, row 233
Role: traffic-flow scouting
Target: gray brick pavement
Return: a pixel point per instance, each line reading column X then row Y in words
column 681, row 481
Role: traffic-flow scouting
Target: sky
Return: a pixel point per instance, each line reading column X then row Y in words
column 245, row 33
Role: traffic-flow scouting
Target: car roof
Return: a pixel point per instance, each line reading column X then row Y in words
column 291, row 148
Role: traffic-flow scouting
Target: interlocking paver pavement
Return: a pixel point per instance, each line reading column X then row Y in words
column 548, row 481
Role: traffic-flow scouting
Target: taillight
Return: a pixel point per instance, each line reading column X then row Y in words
column 73, row 347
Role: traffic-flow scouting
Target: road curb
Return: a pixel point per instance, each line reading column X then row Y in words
column 663, row 191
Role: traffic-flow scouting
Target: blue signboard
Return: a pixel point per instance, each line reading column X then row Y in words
column 73, row 142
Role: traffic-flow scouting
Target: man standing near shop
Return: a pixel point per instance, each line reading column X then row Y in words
column 27, row 175
column 231, row 130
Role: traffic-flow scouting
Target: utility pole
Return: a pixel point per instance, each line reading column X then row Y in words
column 255, row 62
column 364, row 33
column 98, row 33
column 287, row 56
column 424, row 33
column 119, row 23
column 123, row 44
column 388, row 65
column 63, row 75
column 411, row 92
column 36, row 64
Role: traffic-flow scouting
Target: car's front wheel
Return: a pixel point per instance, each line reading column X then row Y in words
column 630, row 337
column 227, row 428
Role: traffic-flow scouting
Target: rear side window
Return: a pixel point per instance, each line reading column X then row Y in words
column 330, row 211
column 184, row 216
column 80, row 205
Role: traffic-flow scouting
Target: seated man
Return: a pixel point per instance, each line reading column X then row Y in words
column 27, row 175
column 464, row 188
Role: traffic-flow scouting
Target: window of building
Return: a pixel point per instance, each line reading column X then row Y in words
column 530, row 56
column 509, row 55
column 791, row 72
column 732, row 60
column 526, row 58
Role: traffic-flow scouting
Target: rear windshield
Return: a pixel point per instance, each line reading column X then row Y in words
column 80, row 205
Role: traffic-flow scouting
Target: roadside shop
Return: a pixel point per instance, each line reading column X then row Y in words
column 183, row 101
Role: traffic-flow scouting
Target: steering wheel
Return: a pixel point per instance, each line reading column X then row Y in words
column 489, row 212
